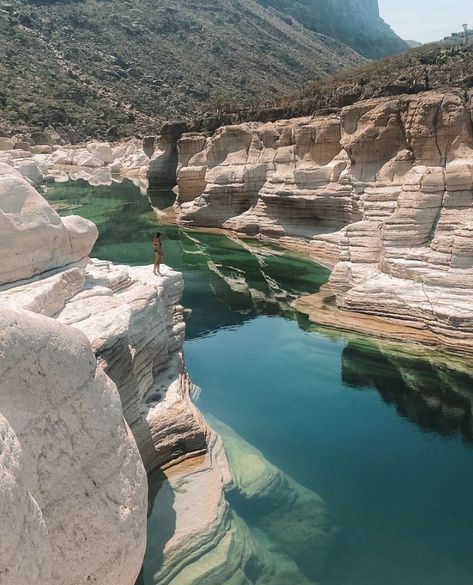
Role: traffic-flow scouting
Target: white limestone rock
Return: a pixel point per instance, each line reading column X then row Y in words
column 33, row 238
column 25, row 549
column 84, row 158
column 59, row 157
column 102, row 151
column 72, row 485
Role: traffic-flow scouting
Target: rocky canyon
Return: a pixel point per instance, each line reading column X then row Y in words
column 95, row 395
column 286, row 400
column 380, row 191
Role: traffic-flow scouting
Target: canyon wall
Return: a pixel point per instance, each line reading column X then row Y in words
column 382, row 191
column 86, row 345
column 132, row 319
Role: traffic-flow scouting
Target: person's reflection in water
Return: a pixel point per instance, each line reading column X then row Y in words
column 158, row 253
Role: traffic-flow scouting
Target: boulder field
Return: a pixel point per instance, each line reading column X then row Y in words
column 381, row 191
column 99, row 163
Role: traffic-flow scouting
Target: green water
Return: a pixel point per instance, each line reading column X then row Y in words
column 384, row 438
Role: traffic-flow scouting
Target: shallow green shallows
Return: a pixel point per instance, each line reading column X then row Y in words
column 385, row 439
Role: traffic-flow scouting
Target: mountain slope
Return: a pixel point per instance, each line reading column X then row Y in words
column 439, row 66
column 356, row 22
column 115, row 67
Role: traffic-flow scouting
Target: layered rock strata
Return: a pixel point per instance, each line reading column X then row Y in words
column 382, row 191
column 64, row 423
column 132, row 319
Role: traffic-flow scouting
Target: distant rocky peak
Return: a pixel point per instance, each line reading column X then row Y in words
column 355, row 22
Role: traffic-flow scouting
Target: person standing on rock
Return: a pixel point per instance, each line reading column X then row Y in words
column 158, row 253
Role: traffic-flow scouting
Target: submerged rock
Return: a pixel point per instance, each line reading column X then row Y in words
column 206, row 541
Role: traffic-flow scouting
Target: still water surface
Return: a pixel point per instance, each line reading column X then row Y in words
column 384, row 438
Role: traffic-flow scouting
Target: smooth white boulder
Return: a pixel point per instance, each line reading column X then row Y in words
column 73, row 491
column 33, row 238
column 102, row 151
column 84, row 158
column 59, row 157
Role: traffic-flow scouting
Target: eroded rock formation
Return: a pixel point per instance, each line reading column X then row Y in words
column 33, row 238
column 382, row 191
column 72, row 482
column 209, row 541
column 132, row 319
column 72, row 486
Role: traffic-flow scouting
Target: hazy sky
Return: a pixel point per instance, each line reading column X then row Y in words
column 426, row 20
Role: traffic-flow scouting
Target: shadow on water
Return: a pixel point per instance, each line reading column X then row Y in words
column 161, row 524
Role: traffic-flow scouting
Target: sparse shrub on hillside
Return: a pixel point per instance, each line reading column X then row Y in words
column 432, row 66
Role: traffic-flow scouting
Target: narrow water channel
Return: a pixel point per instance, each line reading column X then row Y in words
column 384, row 438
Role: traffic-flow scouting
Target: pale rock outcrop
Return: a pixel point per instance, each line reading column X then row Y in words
column 6, row 143
column 33, row 237
column 126, row 158
column 135, row 326
column 382, row 191
column 133, row 322
column 72, row 485
column 23, row 162
column 84, row 158
column 101, row 150
column 132, row 318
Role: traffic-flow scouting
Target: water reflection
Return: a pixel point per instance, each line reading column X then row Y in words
column 227, row 281
column 431, row 395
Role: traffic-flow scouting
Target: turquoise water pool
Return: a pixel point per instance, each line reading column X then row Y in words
column 384, row 437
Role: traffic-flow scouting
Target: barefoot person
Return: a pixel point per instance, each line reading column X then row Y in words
column 158, row 253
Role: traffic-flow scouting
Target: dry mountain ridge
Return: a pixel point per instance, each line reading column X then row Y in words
column 356, row 22
column 440, row 66
column 112, row 68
